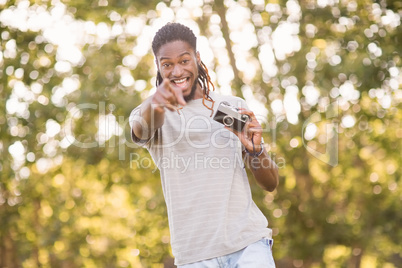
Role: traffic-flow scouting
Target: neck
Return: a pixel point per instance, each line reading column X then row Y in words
column 199, row 93
column 196, row 93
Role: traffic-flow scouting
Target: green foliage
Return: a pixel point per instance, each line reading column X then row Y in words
column 76, row 192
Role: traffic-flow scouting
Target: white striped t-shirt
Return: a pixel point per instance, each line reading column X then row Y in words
column 210, row 209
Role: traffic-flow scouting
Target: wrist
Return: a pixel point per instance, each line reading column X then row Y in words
column 257, row 151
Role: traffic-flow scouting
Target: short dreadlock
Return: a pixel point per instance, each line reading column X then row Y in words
column 173, row 32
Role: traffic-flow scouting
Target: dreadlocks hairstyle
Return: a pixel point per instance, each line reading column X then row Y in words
column 174, row 32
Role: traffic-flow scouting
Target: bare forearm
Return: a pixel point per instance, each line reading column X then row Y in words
column 152, row 119
column 264, row 169
column 152, row 111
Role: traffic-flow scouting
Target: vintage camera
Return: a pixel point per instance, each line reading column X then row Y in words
column 230, row 116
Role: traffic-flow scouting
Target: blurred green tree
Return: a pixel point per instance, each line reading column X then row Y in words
column 325, row 77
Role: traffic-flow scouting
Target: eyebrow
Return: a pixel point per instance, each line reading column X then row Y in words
column 181, row 55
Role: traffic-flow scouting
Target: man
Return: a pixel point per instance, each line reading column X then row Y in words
column 213, row 220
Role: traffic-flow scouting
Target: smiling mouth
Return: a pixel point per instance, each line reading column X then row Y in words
column 182, row 83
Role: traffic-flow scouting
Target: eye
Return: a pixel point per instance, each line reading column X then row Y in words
column 166, row 65
column 185, row 61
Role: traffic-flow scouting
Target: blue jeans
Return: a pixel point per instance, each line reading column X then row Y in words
column 256, row 255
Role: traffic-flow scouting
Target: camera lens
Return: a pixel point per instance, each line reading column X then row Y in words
column 228, row 120
column 245, row 117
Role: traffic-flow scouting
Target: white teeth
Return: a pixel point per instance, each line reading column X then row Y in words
column 180, row 81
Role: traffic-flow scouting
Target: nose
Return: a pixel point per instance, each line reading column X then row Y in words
column 177, row 70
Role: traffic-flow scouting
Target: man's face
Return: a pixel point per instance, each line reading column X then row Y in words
column 178, row 62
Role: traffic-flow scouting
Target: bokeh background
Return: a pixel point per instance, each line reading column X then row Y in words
column 324, row 78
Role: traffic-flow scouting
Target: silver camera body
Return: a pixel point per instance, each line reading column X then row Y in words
column 229, row 116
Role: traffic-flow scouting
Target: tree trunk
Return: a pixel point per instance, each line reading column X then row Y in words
column 237, row 81
column 8, row 258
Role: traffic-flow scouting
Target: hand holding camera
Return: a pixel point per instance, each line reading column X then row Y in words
column 244, row 124
column 231, row 117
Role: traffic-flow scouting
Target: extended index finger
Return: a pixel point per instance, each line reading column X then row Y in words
column 177, row 91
